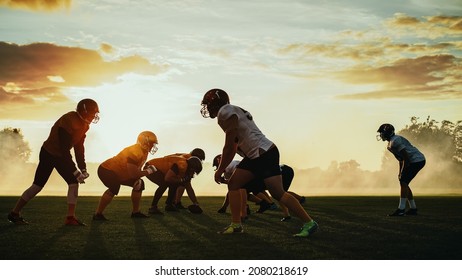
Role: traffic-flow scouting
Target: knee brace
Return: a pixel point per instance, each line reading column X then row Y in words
column 31, row 192
column 72, row 193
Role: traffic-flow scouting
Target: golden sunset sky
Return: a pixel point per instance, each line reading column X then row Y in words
column 319, row 77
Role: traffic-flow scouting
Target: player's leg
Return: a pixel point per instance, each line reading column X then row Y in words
column 224, row 205
column 239, row 178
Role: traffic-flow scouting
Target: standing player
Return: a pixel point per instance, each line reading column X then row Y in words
column 68, row 132
column 411, row 161
column 261, row 159
column 125, row 169
column 172, row 171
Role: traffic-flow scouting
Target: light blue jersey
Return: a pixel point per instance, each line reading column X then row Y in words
column 397, row 143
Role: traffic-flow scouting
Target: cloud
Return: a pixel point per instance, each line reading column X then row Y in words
column 37, row 5
column 39, row 73
column 431, row 27
column 426, row 77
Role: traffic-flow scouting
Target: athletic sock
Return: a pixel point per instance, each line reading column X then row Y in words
column 412, row 204
column 402, row 203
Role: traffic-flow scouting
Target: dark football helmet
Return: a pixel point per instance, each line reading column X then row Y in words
column 213, row 100
column 88, row 110
column 385, row 132
column 194, row 164
column 198, row 152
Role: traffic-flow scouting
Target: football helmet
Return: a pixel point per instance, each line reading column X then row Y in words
column 213, row 100
column 88, row 110
column 216, row 161
column 194, row 164
column 148, row 141
column 198, row 152
column 385, row 132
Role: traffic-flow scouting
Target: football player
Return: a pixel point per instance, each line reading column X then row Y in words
column 67, row 133
column 126, row 169
column 256, row 189
column 411, row 161
column 260, row 159
column 199, row 153
column 172, row 171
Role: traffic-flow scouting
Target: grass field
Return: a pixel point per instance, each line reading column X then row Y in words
column 351, row 228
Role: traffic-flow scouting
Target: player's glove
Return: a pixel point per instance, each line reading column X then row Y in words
column 79, row 176
column 150, row 169
column 85, row 173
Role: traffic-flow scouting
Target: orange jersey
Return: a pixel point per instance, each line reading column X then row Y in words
column 74, row 125
column 164, row 164
column 133, row 154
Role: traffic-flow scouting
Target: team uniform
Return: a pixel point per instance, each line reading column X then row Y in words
column 416, row 158
column 411, row 161
column 68, row 132
column 113, row 172
column 126, row 168
column 260, row 159
column 199, row 153
column 260, row 155
column 175, row 163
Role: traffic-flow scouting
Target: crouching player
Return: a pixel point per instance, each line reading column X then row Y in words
column 125, row 169
column 171, row 172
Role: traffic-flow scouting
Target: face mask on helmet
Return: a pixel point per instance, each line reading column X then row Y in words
column 213, row 100
column 385, row 132
column 148, row 141
column 88, row 110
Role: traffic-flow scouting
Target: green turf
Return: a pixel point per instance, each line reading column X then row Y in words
column 354, row 228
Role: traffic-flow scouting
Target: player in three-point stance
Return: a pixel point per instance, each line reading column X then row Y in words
column 126, row 169
column 67, row 133
column 172, row 171
column 411, row 161
column 200, row 154
column 260, row 159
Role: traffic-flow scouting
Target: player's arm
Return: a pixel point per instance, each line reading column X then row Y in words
column 230, row 147
column 65, row 144
column 173, row 176
column 79, row 151
column 133, row 169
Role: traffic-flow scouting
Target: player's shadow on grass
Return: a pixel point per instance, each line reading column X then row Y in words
column 95, row 247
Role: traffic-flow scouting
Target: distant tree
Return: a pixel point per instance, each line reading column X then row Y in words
column 445, row 141
column 13, row 148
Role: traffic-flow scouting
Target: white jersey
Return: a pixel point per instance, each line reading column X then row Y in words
column 398, row 143
column 250, row 140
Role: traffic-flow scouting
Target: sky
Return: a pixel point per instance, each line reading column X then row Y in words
column 319, row 77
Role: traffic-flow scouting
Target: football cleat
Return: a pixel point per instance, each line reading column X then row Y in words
column 140, row 215
column 273, row 206
column 307, row 229
column 232, row 229
column 99, row 217
column 195, row 209
column 154, row 210
column 73, row 221
column 263, row 206
column 16, row 219
column 171, row 208
column 398, row 213
column 222, row 210
column 411, row 212
column 180, row 206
